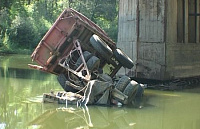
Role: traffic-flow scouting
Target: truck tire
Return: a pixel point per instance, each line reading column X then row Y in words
column 105, row 77
column 101, row 47
column 62, row 81
column 140, row 91
column 139, row 95
column 86, row 56
column 123, row 59
column 93, row 63
column 122, row 83
column 131, row 90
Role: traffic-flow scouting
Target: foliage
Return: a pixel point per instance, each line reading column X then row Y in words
column 24, row 22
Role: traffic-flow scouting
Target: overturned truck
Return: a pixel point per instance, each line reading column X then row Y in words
column 86, row 62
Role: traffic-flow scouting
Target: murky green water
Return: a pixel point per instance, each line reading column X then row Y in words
column 21, row 105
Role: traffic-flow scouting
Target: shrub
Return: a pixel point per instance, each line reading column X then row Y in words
column 22, row 33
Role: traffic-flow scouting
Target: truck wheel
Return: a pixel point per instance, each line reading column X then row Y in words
column 86, row 56
column 123, row 59
column 140, row 91
column 62, row 81
column 138, row 96
column 93, row 63
column 105, row 77
column 130, row 90
column 122, row 83
column 101, row 47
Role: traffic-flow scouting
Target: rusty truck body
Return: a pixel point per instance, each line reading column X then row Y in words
column 85, row 60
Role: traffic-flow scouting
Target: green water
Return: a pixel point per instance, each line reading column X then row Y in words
column 21, row 105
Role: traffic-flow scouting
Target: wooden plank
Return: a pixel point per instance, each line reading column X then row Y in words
column 180, row 29
column 151, row 20
column 171, row 27
column 142, row 24
column 127, row 35
column 150, row 70
column 186, row 21
column 156, row 26
column 133, row 31
column 121, row 21
column 198, row 23
column 153, row 52
column 129, row 8
column 155, row 35
column 144, row 16
column 127, row 21
column 191, row 22
column 156, row 23
column 161, row 18
column 126, row 11
column 147, row 13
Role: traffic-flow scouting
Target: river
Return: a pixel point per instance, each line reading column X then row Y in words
column 21, row 105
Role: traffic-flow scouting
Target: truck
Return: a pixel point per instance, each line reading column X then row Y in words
column 85, row 61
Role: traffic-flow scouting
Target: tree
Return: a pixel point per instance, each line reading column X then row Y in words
column 24, row 22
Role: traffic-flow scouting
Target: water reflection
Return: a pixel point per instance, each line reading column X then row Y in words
column 21, row 105
column 15, row 66
column 75, row 118
column 17, row 83
column 22, row 73
column 167, row 110
column 69, row 118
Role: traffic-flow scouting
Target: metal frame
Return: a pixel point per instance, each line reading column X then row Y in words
column 82, row 67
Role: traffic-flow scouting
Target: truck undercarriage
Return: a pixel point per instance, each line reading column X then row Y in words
column 85, row 61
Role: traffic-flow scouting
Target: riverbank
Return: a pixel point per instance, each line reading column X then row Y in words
column 6, row 51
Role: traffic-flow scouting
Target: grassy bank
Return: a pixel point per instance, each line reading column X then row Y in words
column 5, row 51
